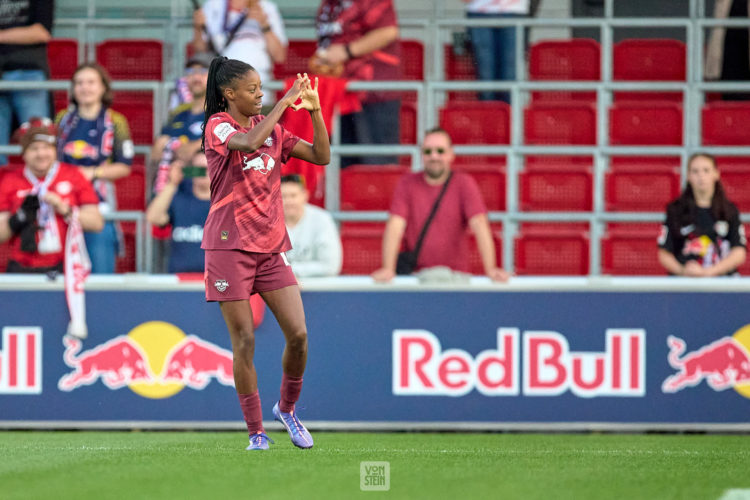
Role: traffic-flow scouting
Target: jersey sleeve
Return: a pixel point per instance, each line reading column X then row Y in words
column 6, row 194
column 42, row 13
column 122, row 148
column 399, row 203
column 736, row 234
column 379, row 14
column 218, row 133
column 288, row 141
column 472, row 202
column 665, row 239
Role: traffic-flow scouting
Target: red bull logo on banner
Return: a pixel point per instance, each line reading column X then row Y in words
column 21, row 360
column 723, row 363
column 155, row 360
column 550, row 368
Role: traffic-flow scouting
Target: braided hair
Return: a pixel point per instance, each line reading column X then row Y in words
column 221, row 74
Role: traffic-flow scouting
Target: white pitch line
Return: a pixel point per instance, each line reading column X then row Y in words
column 736, row 494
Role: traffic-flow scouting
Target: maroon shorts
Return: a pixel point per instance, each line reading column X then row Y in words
column 236, row 274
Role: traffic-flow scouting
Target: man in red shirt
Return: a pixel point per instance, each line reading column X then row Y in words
column 361, row 37
column 461, row 207
column 36, row 202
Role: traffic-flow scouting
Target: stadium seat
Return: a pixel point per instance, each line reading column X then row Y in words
column 60, row 100
column 641, row 184
column 490, row 177
column 552, row 249
column 298, row 55
column 459, row 67
column 485, row 122
column 649, row 60
column 475, row 259
column 62, row 56
column 369, row 187
column 631, row 249
column 575, row 59
column 412, row 59
column 362, row 247
column 651, row 123
column 556, row 188
column 126, row 263
column 131, row 190
column 408, row 122
column 131, row 59
column 735, row 177
column 726, row 123
column 560, row 123
column 4, row 256
column 138, row 108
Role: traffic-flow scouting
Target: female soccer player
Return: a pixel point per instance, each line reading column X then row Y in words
column 703, row 235
column 245, row 237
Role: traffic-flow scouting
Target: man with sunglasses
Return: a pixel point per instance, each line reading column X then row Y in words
column 460, row 208
column 183, row 203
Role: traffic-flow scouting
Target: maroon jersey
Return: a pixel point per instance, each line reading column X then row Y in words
column 445, row 243
column 345, row 21
column 246, row 211
column 70, row 185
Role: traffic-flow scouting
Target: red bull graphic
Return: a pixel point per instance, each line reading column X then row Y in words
column 21, row 360
column 194, row 362
column 550, row 368
column 155, row 360
column 722, row 364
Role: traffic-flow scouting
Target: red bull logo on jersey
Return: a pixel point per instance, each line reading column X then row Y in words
column 155, row 360
column 549, row 368
column 723, row 364
column 21, row 360
column 81, row 150
column 262, row 163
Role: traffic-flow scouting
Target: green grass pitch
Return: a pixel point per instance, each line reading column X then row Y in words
column 209, row 465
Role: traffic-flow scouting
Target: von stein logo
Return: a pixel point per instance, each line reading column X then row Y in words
column 550, row 368
column 21, row 360
column 155, row 360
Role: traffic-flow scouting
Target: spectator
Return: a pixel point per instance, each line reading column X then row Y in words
column 728, row 54
column 702, row 235
column 358, row 40
column 96, row 139
column 36, row 202
column 495, row 48
column 25, row 27
column 461, row 207
column 251, row 31
column 316, row 246
column 180, row 137
column 184, row 202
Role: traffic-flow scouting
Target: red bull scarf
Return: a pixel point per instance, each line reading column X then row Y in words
column 77, row 269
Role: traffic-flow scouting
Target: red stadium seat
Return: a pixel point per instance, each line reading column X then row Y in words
column 298, row 56
column 735, row 177
column 412, row 59
column 131, row 59
column 631, row 249
column 550, row 188
column 408, row 122
column 560, row 123
column 62, row 56
column 653, row 123
column 490, row 177
column 649, row 60
column 60, row 100
column 126, row 263
column 485, row 122
column 726, row 123
column 138, row 109
column 131, row 190
column 475, row 259
column 641, row 184
column 552, row 249
column 369, row 187
column 459, row 67
column 4, row 256
column 575, row 59
column 362, row 247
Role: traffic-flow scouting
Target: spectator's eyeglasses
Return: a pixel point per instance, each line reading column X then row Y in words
column 196, row 71
column 194, row 171
column 428, row 151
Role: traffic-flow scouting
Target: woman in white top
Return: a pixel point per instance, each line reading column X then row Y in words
column 251, row 31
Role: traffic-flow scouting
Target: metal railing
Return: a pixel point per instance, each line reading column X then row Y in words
column 431, row 94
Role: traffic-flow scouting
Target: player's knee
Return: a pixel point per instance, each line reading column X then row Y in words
column 297, row 339
column 246, row 340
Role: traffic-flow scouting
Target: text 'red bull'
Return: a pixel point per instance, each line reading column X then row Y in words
column 550, row 368
column 723, row 364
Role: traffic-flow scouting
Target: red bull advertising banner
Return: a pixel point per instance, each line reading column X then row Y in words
column 389, row 356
